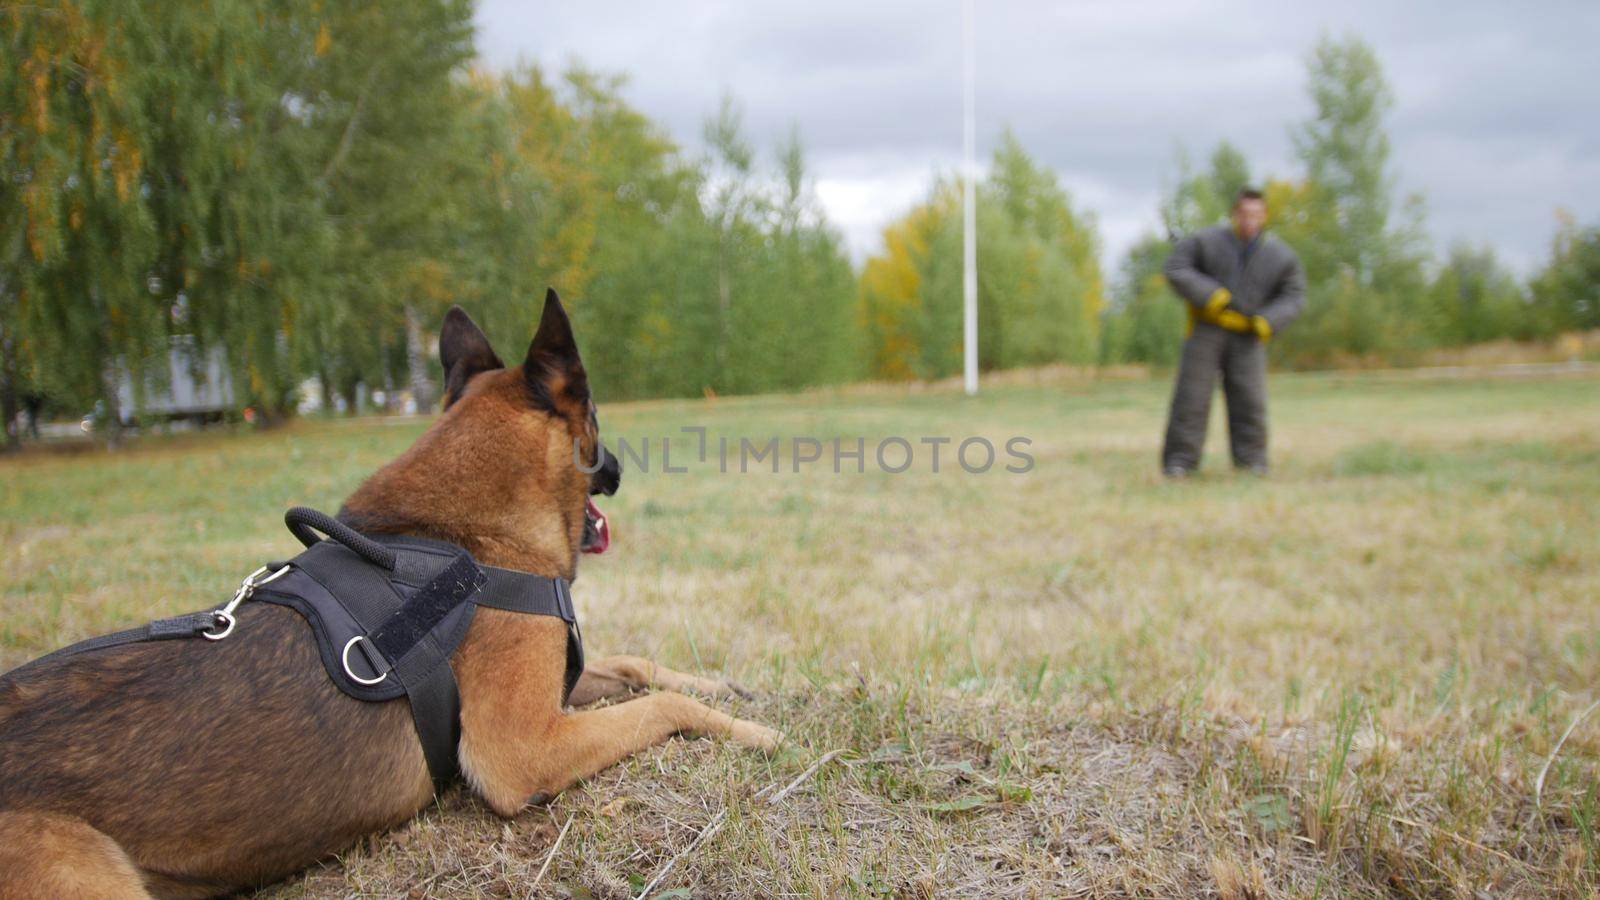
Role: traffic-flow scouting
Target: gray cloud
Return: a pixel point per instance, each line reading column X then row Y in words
column 1494, row 122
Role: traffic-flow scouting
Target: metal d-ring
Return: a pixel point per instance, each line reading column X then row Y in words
column 344, row 659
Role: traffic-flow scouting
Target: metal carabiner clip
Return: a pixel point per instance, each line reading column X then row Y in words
column 225, row 615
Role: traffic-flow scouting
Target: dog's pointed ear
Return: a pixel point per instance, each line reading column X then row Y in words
column 553, row 368
column 464, row 351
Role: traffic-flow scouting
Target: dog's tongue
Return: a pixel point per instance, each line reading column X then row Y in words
column 602, row 530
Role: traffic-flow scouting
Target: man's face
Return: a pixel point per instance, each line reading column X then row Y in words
column 1249, row 217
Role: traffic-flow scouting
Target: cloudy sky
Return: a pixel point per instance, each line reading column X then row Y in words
column 1495, row 123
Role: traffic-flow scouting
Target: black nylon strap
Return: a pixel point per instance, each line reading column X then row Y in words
column 436, row 713
column 536, row 595
column 427, row 608
column 182, row 626
column 185, row 626
column 521, row 592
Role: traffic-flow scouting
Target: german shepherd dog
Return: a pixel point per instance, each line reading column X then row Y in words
column 156, row 769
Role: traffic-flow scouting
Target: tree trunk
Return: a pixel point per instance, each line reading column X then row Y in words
column 724, row 308
column 422, row 390
column 325, row 391
column 8, row 395
column 108, row 393
column 388, row 388
column 9, row 344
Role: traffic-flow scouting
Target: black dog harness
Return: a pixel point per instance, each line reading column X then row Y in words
column 387, row 612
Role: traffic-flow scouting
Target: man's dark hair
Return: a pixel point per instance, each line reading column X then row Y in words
column 1247, row 193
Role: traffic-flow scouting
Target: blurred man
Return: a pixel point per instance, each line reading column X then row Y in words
column 1241, row 288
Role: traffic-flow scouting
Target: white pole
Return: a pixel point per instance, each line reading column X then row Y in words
column 969, row 217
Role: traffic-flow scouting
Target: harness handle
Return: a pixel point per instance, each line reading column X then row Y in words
column 305, row 523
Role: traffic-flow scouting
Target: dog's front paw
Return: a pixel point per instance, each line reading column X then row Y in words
column 725, row 689
column 710, row 688
column 754, row 735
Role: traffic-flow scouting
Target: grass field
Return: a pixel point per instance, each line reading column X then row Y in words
column 1342, row 680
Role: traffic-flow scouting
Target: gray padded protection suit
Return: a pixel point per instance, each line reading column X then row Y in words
column 1267, row 281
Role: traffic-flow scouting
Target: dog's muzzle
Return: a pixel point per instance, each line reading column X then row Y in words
column 605, row 480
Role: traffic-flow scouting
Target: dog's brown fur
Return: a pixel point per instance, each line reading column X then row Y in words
column 189, row 768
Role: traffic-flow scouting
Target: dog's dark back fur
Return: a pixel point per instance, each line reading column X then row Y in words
column 175, row 748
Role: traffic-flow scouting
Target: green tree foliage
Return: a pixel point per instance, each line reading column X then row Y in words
column 620, row 209
column 222, row 171
column 781, row 283
column 1040, row 292
column 1365, row 273
column 108, row 167
column 395, row 165
column 1473, row 299
column 309, row 185
column 685, row 275
column 1201, row 199
column 1145, row 322
column 70, row 213
column 1566, row 293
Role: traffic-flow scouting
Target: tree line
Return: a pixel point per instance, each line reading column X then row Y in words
column 308, row 186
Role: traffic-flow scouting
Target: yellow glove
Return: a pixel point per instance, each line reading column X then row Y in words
column 1261, row 327
column 1233, row 320
column 1217, row 302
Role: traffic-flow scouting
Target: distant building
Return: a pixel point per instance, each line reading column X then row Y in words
column 195, row 387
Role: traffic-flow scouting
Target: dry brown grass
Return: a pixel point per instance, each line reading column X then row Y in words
column 1339, row 681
